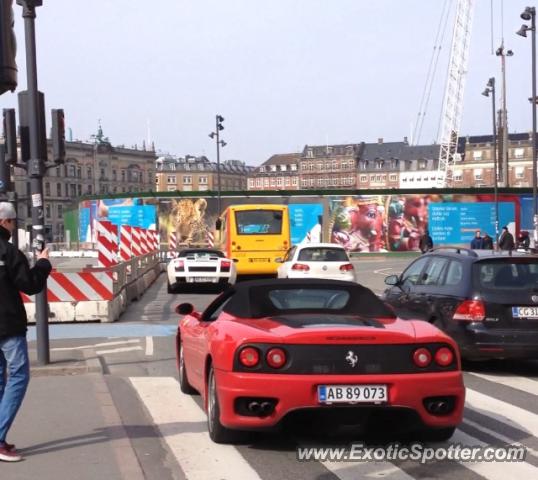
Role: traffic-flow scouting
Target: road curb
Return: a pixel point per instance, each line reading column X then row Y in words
column 89, row 363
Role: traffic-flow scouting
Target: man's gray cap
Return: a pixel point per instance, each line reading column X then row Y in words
column 7, row 211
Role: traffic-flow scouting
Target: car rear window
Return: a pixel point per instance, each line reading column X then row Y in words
column 300, row 299
column 506, row 274
column 323, row 255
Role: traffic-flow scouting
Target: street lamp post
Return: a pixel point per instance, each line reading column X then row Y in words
column 505, row 177
column 36, row 166
column 220, row 143
column 530, row 14
column 490, row 88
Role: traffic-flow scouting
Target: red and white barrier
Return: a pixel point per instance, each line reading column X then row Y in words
column 144, row 249
column 154, row 240
column 77, row 287
column 135, row 243
column 210, row 238
column 126, row 239
column 172, row 243
column 107, row 244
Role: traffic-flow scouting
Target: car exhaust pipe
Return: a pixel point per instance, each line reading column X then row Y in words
column 266, row 408
column 438, row 407
column 254, row 407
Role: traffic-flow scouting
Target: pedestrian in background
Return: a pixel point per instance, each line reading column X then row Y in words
column 477, row 242
column 506, row 240
column 426, row 242
column 487, row 242
column 15, row 276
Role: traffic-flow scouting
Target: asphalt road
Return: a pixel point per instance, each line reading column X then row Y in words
column 138, row 354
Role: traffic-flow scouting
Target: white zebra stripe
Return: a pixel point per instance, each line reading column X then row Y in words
column 519, row 383
column 502, row 411
column 87, row 289
column 178, row 418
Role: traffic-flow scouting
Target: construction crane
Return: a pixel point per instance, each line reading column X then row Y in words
column 455, row 86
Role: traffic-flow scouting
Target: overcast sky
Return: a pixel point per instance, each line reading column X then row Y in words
column 283, row 73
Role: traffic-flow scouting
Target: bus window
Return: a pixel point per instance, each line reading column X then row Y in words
column 256, row 222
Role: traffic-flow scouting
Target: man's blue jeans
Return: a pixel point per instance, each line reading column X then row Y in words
column 14, row 379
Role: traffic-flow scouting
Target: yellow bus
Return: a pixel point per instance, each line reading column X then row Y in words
column 253, row 236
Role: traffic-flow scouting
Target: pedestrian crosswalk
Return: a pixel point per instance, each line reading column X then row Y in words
column 490, row 420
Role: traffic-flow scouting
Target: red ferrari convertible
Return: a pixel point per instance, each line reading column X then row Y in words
column 330, row 352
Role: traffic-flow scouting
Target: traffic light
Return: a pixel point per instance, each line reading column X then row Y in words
column 10, row 136
column 8, row 48
column 220, row 119
column 58, row 136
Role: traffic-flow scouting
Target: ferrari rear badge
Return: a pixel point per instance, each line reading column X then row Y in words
column 352, row 359
column 534, row 298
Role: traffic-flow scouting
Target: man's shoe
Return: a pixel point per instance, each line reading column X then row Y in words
column 8, row 446
column 9, row 454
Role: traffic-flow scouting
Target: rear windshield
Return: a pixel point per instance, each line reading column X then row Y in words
column 200, row 254
column 323, row 255
column 258, row 222
column 315, row 299
column 513, row 273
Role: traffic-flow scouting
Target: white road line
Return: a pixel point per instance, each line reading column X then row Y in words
column 182, row 424
column 117, row 350
column 381, row 270
column 502, row 411
column 494, row 470
column 519, row 383
column 149, row 346
column 500, row 436
column 97, row 345
column 354, row 470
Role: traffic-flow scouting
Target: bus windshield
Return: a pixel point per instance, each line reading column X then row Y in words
column 258, row 222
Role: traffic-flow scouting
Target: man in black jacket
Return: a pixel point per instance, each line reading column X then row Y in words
column 15, row 276
column 506, row 240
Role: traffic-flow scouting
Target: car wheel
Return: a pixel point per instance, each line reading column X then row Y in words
column 184, row 384
column 217, row 432
column 437, row 434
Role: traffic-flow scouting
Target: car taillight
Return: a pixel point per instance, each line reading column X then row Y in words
column 301, row 267
column 347, row 267
column 180, row 266
column 470, row 311
column 225, row 265
column 249, row 357
column 276, row 357
column 444, row 356
column 422, row 357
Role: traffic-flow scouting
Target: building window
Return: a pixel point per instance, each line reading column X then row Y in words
column 519, row 152
column 287, row 181
column 258, row 182
column 79, row 172
column 60, row 211
column 520, row 172
column 283, row 168
column 458, row 176
column 88, row 172
column 47, row 189
column 123, row 176
column 114, row 175
column 478, row 174
column 58, row 189
column 364, row 178
column 477, row 154
column 294, row 181
column 102, row 174
column 187, row 180
column 202, row 180
column 272, row 182
column 171, row 179
column 320, row 182
column 310, row 153
column 293, row 167
column 262, row 169
column 279, row 182
column 79, row 190
column 265, row 182
column 393, row 177
column 47, row 210
column 89, row 189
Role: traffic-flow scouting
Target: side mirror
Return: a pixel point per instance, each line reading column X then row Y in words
column 279, row 260
column 392, row 280
column 185, row 309
column 218, row 224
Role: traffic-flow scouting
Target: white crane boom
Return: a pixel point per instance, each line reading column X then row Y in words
column 455, row 86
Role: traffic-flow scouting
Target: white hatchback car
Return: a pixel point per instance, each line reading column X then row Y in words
column 316, row 260
column 200, row 267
